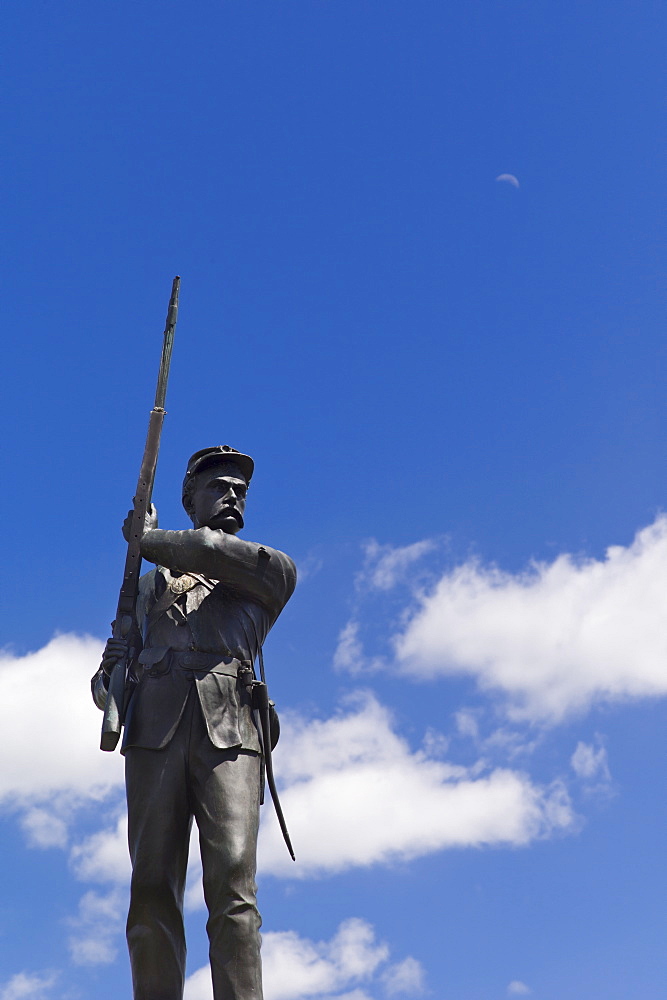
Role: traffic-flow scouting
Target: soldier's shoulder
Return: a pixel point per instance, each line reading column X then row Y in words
column 282, row 565
column 146, row 591
column 147, row 580
column 267, row 552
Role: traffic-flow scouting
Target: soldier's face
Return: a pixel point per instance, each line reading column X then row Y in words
column 219, row 498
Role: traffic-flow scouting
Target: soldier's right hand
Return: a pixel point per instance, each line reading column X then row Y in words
column 150, row 521
column 114, row 651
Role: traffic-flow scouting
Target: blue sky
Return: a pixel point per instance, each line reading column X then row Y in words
column 453, row 388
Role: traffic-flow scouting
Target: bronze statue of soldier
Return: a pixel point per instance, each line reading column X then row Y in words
column 191, row 742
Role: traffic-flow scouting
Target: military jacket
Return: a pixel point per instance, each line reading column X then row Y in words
column 205, row 610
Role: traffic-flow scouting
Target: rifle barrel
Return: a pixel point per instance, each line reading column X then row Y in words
column 167, row 345
column 127, row 598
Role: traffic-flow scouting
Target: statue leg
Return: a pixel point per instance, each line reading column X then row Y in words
column 159, row 833
column 226, row 806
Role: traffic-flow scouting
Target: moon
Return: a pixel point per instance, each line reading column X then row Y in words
column 508, row 179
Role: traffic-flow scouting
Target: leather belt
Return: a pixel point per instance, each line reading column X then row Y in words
column 196, row 660
column 156, row 660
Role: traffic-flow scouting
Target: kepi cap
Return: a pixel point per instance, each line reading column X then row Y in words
column 220, row 453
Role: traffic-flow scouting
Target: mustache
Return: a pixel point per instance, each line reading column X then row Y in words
column 229, row 510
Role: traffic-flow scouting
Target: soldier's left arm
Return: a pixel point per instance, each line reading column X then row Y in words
column 264, row 574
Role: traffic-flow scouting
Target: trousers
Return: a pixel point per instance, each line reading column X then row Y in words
column 166, row 788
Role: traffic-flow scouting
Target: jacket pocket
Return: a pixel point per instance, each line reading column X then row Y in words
column 154, row 660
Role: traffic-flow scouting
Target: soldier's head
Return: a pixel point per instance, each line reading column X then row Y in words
column 215, row 488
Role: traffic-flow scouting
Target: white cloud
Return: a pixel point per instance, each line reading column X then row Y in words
column 518, row 989
column 405, row 978
column 589, row 763
column 553, row 639
column 354, row 951
column 43, row 828
column 97, row 927
column 308, row 567
column 350, row 656
column 198, row 985
column 385, row 565
column 103, row 856
column 435, row 743
column 466, row 724
column 295, row 967
column 354, row 995
column 26, row 986
column 51, row 733
column 357, row 795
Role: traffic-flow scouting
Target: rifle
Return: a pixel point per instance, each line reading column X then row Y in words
column 126, row 615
